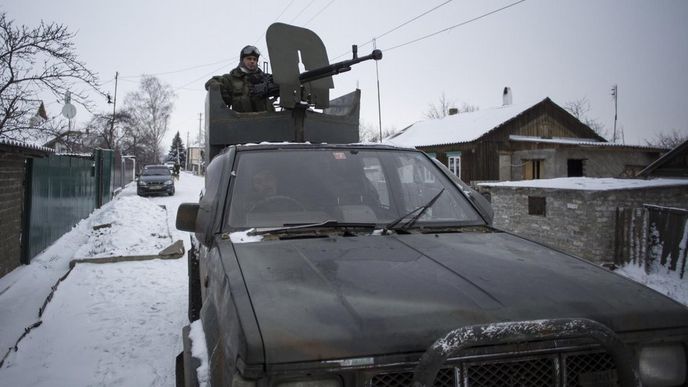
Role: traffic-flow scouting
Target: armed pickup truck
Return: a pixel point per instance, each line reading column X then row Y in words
column 346, row 264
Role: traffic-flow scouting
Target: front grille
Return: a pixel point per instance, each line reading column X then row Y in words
column 565, row 369
column 532, row 372
column 590, row 369
column 445, row 378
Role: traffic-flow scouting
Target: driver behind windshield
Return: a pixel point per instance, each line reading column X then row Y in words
column 264, row 184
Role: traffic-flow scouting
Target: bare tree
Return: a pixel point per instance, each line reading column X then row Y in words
column 371, row 133
column 150, row 108
column 137, row 143
column 580, row 109
column 669, row 139
column 105, row 130
column 441, row 109
column 33, row 62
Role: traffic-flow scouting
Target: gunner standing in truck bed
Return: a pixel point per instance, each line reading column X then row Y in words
column 245, row 88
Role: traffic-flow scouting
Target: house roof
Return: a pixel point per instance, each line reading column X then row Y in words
column 8, row 145
column 666, row 158
column 458, row 128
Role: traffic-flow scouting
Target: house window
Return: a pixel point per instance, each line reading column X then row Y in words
column 532, row 169
column 454, row 163
column 574, row 167
column 537, row 205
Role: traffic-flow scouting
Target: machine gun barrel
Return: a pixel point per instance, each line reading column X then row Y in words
column 336, row 68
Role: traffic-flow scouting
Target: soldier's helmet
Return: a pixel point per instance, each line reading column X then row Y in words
column 249, row 50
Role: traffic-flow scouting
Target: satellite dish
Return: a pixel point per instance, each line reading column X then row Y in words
column 69, row 111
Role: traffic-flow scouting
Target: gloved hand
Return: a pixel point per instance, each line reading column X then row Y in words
column 262, row 86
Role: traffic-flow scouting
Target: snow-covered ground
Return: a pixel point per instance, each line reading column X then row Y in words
column 119, row 324
column 115, row 324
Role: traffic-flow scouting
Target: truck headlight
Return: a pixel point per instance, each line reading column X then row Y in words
column 142, row 183
column 312, row 383
column 169, row 182
column 662, row 365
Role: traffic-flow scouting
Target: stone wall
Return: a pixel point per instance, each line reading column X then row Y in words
column 11, row 210
column 579, row 222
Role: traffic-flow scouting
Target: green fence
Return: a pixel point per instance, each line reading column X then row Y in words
column 62, row 190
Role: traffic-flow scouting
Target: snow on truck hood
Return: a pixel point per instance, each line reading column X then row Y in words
column 345, row 297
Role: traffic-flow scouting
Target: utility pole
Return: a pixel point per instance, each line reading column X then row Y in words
column 615, row 96
column 200, row 118
column 114, row 105
column 188, row 149
column 114, row 136
column 379, row 111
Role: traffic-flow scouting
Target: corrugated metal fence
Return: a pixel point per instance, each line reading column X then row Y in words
column 652, row 235
column 62, row 190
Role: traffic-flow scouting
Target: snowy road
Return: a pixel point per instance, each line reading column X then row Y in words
column 115, row 324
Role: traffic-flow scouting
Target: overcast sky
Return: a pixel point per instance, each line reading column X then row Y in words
column 563, row 49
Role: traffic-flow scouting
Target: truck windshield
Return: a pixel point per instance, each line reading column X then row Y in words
column 301, row 186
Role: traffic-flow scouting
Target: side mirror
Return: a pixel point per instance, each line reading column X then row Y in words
column 186, row 217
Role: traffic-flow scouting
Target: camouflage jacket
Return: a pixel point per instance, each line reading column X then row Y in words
column 235, row 89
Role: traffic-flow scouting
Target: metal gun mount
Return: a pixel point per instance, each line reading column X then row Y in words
column 288, row 46
column 336, row 124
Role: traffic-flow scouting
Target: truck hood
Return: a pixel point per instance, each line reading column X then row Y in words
column 344, row 297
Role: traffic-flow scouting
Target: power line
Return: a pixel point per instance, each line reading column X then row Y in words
column 396, row 28
column 414, row 19
column 319, row 12
column 277, row 18
column 180, row 70
column 199, row 78
column 284, row 10
column 362, row 45
column 452, row 27
column 300, row 12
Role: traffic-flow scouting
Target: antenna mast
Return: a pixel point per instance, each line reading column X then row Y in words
column 379, row 110
column 615, row 96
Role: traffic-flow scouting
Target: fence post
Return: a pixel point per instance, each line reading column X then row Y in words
column 619, row 241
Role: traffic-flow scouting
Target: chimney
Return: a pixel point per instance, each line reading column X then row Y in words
column 507, row 96
column 453, row 111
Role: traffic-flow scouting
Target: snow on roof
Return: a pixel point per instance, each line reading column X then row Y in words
column 74, row 154
column 462, row 127
column 24, row 145
column 576, row 141
column 590, row 183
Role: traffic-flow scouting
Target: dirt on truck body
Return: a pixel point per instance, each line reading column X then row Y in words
column 332, row 263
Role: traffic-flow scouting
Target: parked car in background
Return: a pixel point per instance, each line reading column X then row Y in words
column 155, row 179
column 170, row 165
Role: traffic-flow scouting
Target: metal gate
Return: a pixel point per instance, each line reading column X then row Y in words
column 61, row 190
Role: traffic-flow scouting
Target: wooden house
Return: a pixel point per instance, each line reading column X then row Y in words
column 521, row 142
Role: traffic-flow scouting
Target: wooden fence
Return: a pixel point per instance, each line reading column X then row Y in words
column 652, row 235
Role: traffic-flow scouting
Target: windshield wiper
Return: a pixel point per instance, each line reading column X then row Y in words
column 421, row 210
column 300, row 227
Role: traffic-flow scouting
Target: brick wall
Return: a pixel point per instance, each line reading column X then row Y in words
column 582, row 223
column 11, row 210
